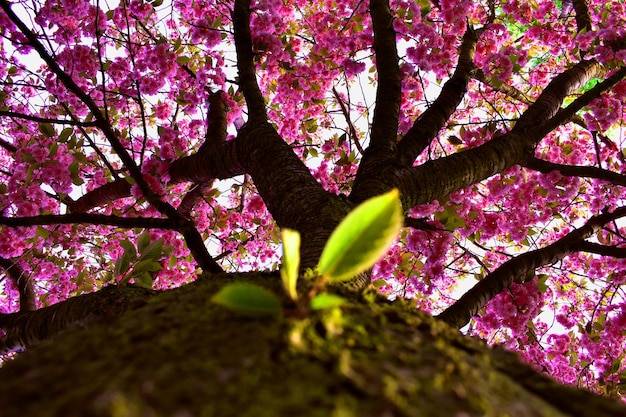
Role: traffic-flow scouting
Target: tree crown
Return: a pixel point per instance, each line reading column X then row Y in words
column 143, row 141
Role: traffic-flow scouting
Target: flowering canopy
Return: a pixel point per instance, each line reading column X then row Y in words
column 211, row 124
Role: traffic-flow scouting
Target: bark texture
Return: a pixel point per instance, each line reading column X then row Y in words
column 181, row 355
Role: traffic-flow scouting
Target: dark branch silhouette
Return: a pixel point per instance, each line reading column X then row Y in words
column 90, row 219
column 546, row 167
column 33, row 118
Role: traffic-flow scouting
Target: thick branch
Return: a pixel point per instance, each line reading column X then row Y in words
column 216, row 133
column 192, row 197
column 292, row 195
column 566, row 114
column 576, row 171
column 27, row 329
column 388, row 91
column 216, row 160
column 598, row 249
column 105, row 193
column 91, row 219
column 518, row 268
column 217, row 125
column 549, row 102
column 23, row 282
column 8, row 146
column 428, row 125
column 438, row 178
column 420, row 224
column 381, row 153
column 245, row 62
column 583, row 19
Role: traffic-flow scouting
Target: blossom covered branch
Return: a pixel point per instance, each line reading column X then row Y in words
column 428, row 125
column 187, row 228
column 522, row 267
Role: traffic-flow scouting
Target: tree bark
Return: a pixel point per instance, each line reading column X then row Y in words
column 181, row 355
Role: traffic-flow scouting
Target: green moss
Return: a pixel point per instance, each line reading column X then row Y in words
column 181, row 355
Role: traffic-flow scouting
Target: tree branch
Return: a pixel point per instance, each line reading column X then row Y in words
column 566, row 114
column 604, row 250
column 216, row 133
column 98, row 196
column 518, row 268
column 346, row 114
column 549, row 102
column 192, row 197
column 245, row 62
column 194, row 240
column 388, row 92
column 428, row 125
column 69, row 122
column 576, row 171
column 27, row 329
column 217, row 125
column 438, row 178
column 420, row 224
column 221, row 162
column 381, row 153
column 23, row 282
column 8, row 146
column 91, row 219
column 583, row 19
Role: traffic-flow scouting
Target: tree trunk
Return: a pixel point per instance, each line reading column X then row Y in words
column 181, row 355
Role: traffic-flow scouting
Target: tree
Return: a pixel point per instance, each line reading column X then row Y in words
column 143, row 142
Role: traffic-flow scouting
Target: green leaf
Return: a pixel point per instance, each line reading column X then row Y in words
column 143, row 241
column 147, row 265
column 143, row 280
column 47, row 129
column 248, row 299
column 450, row 218
column 108, row 276
column 379, row 283
column 41, row 231
column 123, row 262
column 152, row 251
column 362, row 237
column 183, row 60
column 291, row 261
column 53, row 149
column 326, row 300
column 65, row 134
column 74, row 169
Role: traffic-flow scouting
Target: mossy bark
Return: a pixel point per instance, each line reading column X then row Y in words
column 181, row 355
